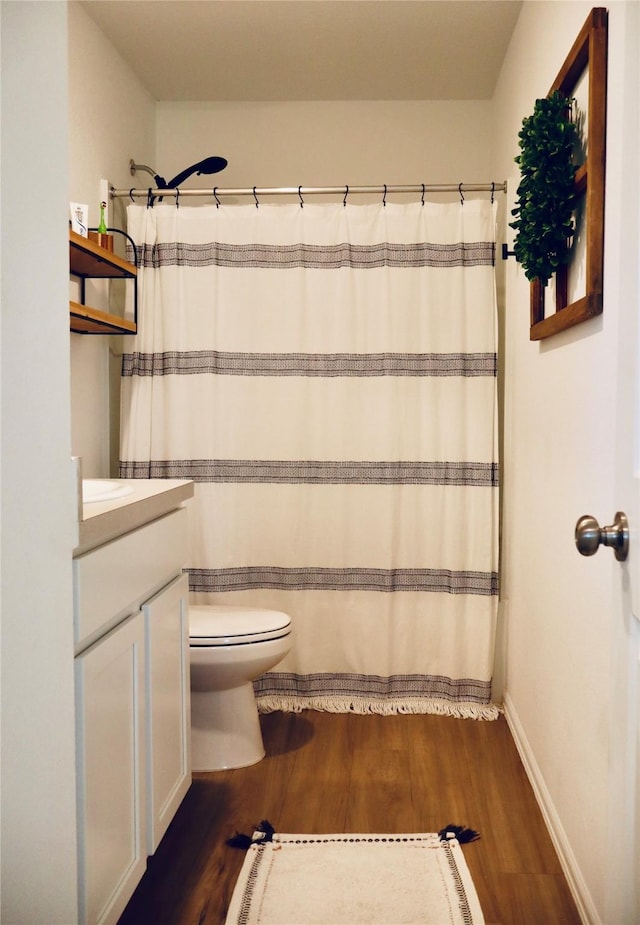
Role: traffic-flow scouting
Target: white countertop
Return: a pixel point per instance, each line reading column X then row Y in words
column 150, row 498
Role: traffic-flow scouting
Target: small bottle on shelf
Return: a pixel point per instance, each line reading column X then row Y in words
column 102, row 227
column 100, row 236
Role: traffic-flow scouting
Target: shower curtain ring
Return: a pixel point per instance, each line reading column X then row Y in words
column 384, row 195
column 493, row 186
column 255, row 197
column 346, row 193
column 301, row 199
column 215, row 196
column 177, row 197
column 461, row 194
column 131, row 194
column 422, row 198
column 149, row 199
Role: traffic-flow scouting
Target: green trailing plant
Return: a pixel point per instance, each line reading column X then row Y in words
column 546, row 194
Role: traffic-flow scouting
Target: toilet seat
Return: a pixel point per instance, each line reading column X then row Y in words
column 216, row 625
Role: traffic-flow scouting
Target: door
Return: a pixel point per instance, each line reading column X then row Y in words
column 622, row 381
column 622, row 297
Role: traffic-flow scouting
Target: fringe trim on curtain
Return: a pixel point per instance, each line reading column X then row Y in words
column 386, row 707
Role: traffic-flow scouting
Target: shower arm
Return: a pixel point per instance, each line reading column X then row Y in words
column 161, row 183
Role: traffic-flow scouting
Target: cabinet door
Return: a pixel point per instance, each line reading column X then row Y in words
column 110, row 700
column 168, row 705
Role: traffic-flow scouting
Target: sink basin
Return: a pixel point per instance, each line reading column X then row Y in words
column 103, row 490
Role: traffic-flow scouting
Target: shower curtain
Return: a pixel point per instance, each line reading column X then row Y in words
column 326, row 375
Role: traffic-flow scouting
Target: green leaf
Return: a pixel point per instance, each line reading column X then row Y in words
column 543, row 216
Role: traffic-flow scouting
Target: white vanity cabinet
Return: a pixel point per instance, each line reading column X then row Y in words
column 112, row 771
column 133, row 708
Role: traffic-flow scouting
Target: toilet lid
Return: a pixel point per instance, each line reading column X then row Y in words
column 216, row 625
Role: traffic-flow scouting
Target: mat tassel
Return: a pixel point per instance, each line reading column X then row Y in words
column 264, row 832
column 459, row 832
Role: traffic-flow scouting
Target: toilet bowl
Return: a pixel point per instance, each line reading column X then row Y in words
column 229, row 648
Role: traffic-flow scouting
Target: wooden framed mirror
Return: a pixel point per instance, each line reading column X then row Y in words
column 576, row 289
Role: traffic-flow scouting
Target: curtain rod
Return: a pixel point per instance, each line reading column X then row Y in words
column 302, row 191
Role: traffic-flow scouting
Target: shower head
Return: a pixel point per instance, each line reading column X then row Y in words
column 208, row 165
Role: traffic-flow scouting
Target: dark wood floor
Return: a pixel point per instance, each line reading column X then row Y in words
column 346, row 773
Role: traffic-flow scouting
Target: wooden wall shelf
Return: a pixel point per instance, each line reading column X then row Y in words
column 88, row 260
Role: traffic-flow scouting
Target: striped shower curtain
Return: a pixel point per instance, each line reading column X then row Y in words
column 326, row 375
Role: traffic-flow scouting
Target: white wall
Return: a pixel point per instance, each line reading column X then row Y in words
column 560, row 462
column 38, row 749
column 328, row 143
column 111, row 121
column 49, row 156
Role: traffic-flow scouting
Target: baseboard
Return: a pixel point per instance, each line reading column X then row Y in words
column 575, row 880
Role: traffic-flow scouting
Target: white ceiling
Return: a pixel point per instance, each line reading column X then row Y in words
column 311, row 49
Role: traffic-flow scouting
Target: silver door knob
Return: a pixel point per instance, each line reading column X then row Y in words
column 590, row 535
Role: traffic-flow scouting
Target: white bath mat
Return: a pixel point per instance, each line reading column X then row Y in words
column 414, row 879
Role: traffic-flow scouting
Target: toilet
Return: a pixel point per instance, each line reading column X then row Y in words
column 229, row 648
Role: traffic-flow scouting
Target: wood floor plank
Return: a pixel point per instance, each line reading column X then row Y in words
column 439, row 774
column 504, row 797
column 534, row 899
column 378, row 734
column 379, row 796
column 346, row 773
column 318, row 790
